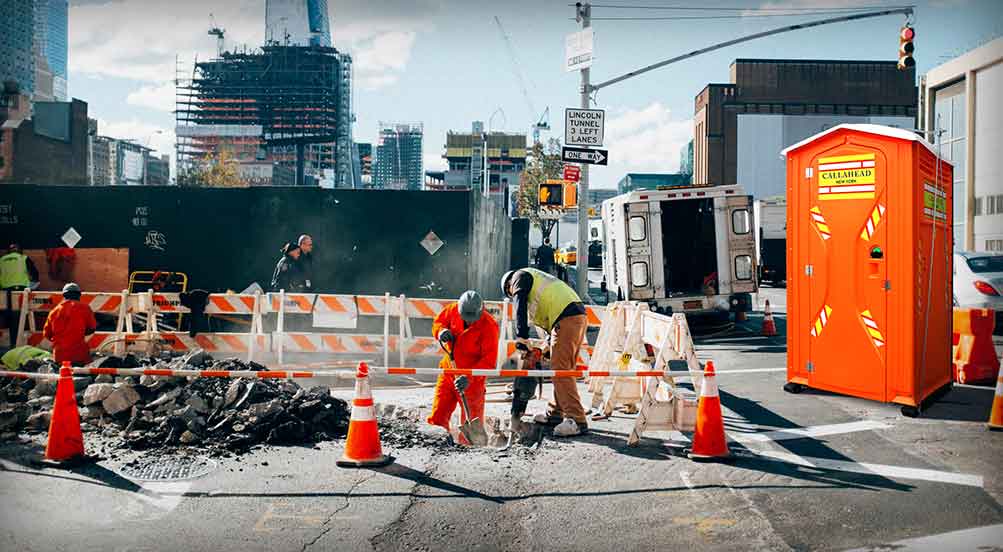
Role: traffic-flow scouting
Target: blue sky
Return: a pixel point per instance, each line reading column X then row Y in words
column 444, row 63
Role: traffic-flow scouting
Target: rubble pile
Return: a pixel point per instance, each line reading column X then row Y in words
column 152, row 412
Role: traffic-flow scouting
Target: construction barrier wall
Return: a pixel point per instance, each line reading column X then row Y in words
column 366, row 241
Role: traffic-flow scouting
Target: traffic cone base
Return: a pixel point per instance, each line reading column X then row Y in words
column 709, row 439
column 66, row 440
column 995, row 422
column 362, row 446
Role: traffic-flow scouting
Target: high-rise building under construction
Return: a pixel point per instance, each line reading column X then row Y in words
column 283, row 113
column 398, row 157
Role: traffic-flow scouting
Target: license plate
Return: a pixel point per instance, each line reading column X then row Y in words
column 689, row 305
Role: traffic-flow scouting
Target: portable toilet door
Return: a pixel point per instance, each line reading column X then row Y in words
column 847, row 269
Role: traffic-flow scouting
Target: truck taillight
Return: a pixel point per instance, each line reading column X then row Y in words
column 984, row 288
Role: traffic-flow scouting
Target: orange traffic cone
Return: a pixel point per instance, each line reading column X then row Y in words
column 362, row 448
column 996, row 414
column 769, row 326
column 66, row 441
column 709, row 441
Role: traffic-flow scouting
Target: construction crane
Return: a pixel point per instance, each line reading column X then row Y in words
column 543, row 121
column 218, row 32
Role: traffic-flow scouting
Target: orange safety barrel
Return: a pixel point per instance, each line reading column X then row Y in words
column 974, row 355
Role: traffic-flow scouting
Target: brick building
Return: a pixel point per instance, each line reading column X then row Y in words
column 48, row 148
column 803, row 97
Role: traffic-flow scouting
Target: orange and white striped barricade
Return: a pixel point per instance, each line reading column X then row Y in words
column 621, row 348
column 664, row 406
column 32, row 302
column 154, row 305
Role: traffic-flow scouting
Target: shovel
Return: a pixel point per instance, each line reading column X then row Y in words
column 472, row 429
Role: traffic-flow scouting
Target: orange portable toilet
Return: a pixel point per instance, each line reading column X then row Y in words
column 869, row 265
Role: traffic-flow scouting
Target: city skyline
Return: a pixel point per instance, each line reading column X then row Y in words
column 414, row 61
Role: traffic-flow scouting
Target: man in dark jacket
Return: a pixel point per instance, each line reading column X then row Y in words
column 288, row 273
column 545, row 257
column 305, row 243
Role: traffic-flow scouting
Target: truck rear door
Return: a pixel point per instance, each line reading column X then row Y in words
column 639, row 265
column 741, row 245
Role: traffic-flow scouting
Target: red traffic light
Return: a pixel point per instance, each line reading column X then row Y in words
column 906, row 48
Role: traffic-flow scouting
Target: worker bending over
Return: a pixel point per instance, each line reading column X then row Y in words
column 471, row 333
column 552, row 305
column 67, row 327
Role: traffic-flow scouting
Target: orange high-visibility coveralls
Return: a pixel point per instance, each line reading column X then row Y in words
column 67, row 327
column 475, row 348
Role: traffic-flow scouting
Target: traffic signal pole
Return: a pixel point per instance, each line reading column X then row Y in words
column 583, row 13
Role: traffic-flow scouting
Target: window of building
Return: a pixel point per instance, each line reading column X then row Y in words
column 949, row 139
column 994, row 245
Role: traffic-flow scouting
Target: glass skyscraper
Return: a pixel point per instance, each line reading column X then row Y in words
column 52, row 42
column 297, row 23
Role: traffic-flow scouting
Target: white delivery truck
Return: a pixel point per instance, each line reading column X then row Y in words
column 771, row 240
column 685, row 249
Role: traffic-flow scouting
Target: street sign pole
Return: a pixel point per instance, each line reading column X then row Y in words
column 583, row 14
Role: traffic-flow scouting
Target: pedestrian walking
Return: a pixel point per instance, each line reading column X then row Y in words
column 288, row 273
column 305, row 243
column 545, row 257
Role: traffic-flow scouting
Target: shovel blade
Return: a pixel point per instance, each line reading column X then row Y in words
column 475, row 433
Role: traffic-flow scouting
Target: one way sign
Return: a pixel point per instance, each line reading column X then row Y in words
column 583, row 155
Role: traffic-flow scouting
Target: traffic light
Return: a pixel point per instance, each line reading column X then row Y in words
column 906, row 47
column 570, row 195
column 551, row 194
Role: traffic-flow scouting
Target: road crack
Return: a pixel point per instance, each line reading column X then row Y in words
column 327, row 522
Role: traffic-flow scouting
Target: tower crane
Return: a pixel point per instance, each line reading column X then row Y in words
column 218, row 32
column 543, row 121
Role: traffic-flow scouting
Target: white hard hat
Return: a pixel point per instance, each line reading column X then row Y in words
column 71, row 288
column 504, row 282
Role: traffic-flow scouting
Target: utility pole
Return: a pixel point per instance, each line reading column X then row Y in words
column 583, row 14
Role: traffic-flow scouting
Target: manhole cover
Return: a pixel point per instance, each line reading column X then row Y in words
column 169, row 469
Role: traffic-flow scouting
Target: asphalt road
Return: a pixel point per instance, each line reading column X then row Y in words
column 859, row 476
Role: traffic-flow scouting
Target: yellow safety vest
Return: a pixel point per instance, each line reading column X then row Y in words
column 548, row 298
column 14, row 270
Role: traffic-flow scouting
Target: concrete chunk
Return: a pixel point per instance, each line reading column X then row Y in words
column 120, row 400
column 97, row 392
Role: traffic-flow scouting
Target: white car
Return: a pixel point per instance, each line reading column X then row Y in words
column 978, row 282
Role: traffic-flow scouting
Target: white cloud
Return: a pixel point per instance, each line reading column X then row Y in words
column 159, row 97
column 434, row 162
column 140, row 40
column 645, row 140
column 379, row 59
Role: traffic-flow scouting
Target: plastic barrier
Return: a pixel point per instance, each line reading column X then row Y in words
column 328, row 310
column 974, row 355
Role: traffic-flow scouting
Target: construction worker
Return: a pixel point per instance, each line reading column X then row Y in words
column 471, row 334
column 550, row 304
column 17, row 271
column 288, row 273
column 67, row 326
column 305, row 242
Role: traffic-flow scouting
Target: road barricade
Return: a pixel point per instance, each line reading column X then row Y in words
column 974, row 356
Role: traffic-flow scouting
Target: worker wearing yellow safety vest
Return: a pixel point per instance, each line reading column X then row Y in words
column 552, row 305
column 16, row 269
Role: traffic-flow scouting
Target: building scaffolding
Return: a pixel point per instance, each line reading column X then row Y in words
column 280, row 106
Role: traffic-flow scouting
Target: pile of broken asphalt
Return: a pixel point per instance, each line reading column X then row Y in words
column 215, row 416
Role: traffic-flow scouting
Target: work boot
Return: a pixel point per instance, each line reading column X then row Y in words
column 570, row 428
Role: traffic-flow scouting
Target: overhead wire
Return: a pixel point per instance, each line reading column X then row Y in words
column 747, row 9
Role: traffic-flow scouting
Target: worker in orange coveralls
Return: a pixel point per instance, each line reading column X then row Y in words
column 67, row 326
column 471, row 333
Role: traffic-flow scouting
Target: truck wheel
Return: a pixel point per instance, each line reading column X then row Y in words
column 793, row 388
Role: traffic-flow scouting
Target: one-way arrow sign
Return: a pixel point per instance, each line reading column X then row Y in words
column 583, row 155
